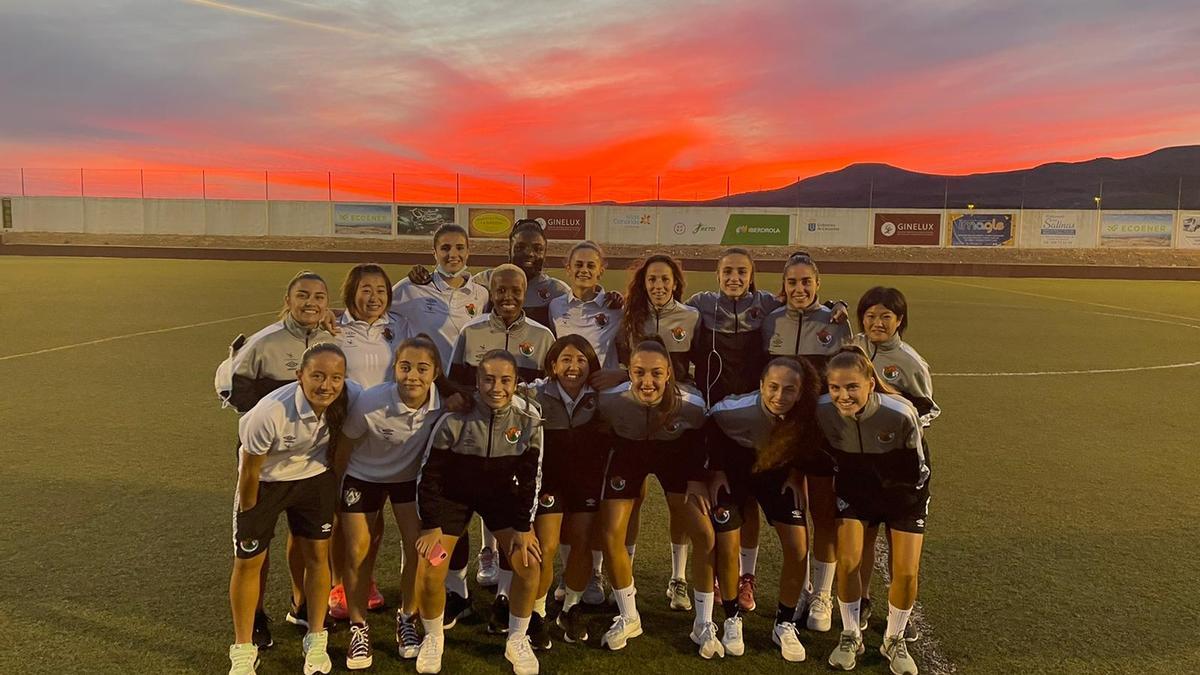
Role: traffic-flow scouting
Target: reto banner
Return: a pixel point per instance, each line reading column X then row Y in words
column 756, row 229
column 422, row 220
column 567, row 224
column 908, row 229
column 981, row 229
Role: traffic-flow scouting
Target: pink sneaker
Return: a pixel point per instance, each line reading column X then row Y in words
column 745, row 597
column 337, row 604
column 375, row 599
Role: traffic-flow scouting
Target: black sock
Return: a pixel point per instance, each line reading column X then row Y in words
column 785, row 614
column 730, row 607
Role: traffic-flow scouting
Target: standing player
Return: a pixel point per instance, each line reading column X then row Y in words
column 757, row 450
column 284, row 466
column 384, row 440
column 806, row 329
column 487, row 461
column 883, row 317
column 883, row 477
column 527, row 250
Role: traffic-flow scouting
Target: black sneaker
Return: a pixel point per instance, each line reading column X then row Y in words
column 408, row 640
column 298, row 616
column 498, row 625
column 911, row 633
column 457, row 607
column 262, row 631
column 539, row 635
column 573, row 625
column 359, row 654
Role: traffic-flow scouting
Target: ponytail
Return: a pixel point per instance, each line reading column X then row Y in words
column 672, row 397
column 853, row 357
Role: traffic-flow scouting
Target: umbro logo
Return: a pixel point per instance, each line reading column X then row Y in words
column 327, row 527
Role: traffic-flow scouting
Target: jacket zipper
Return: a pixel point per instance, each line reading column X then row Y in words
column 799, row 330
column 492, row 433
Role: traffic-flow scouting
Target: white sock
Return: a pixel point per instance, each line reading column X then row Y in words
column 598, row 561
column 704, row 608
column 679, row 561
column 823, row 576
column 432, row 626
column 849, row 615
column 489, row 539
column 539, row 606
column 503, row 582
column 626, row 602
column 517, row 627
column 564, row 554
column 571, row 599
column 897, row 620
column 808, row 577
column 749, row 560
column 456, row 582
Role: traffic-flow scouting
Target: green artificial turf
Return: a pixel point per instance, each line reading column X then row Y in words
column 1062, row 534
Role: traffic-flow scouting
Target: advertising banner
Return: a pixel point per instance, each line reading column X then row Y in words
column 981, row 229
column 1060, row 229
column 362, row 219
column 491, row 223
column 908, row 229
column 422, row 220
column 628, row 224
column 1136, row 230
column 756, row 229
column 563, row 224
column 692, row 225
column 1189, row 231
column 833, row 227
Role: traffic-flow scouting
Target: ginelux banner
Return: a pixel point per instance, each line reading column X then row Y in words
column 491, row 223
column 981, row 229
column 362, row 219
column 908, row 229
column 422, row 220
column 1136, row 230
column 562, row 224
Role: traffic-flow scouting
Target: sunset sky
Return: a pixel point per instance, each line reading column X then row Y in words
column 621, row 91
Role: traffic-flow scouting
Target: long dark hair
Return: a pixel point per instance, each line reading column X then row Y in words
column 670, row 404
column 335, row 414
column 573, row 340
column 637, row 301
column 890, row 298
column 354, row 276
column 798, row 434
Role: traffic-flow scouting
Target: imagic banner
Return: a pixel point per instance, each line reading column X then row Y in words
column 981, row 229
column 362, row 219
column 1136, row 230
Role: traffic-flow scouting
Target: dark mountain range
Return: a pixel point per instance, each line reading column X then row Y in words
column 1163, row 179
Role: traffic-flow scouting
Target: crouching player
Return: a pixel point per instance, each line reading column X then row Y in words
column 488, row 461
column 284, row 466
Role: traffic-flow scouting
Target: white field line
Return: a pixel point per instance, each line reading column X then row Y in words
column 933, row 662
column 1062, row 299
column 133, row 335
column 1094, row 371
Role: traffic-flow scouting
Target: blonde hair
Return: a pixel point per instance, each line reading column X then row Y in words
column 854, row 358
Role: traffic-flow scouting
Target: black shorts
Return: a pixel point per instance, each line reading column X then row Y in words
column 572, row 480
column 360, row 496
column 628, row 468
column 309, row 504
column 497, row 511
column 780, row 506
column 901, row 509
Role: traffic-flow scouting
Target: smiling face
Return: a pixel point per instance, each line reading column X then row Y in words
column 780, row 389
column 370, row 298
column 415, row 372
column 508, row 294
column 451, row 252
column 800, row 286
column 497, row 380
column 571, row 369
column 584, row 270
column 322, row 378
column 849, row 390
column 529, row 252
column 660, row 283
column 880, row 323
column 649, row 375
column 734, row 273
column 307, row 301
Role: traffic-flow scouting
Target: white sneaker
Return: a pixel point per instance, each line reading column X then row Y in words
column 705, row 635
column 820, row 613
column 801, row 614
column 677, row 593
column 621, row 632
column 594, row 593
column 316, row 656
column 895, row 650
column 243, row 659
column 489, row 572
column 845, row 655
column 731, row 639
column 519, row 653
column 429, row 659
column 788, row 640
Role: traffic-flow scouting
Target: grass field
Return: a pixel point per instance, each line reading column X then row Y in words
column 1063, row 535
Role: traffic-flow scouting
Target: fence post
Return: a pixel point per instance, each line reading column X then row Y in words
column 393, row 188
column 522, row 189
column 142, row 177
column 329, row 183
column 267, row 199
column 22, row 181
column 457, row 191
column 589, row 191
column 203, row 185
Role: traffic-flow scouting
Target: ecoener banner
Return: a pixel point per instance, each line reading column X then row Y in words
column 1136, row 230
column 422, row 220
column 908, row 229
column 981, row 229
column 363, row 219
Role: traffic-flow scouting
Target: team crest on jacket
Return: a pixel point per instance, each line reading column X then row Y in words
column 288, row 441
column 672, row 427
column 824, row 337
column 513, row 434
column 678, row 333
column 891, row 373
column 617, row 483
column 547, row 501
column 470, row 309
column 754, row 313
column 526, row 349
column 351, row 496
column 388, row 334
column 885, row 436
column 601, row 320
column 544, row 293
